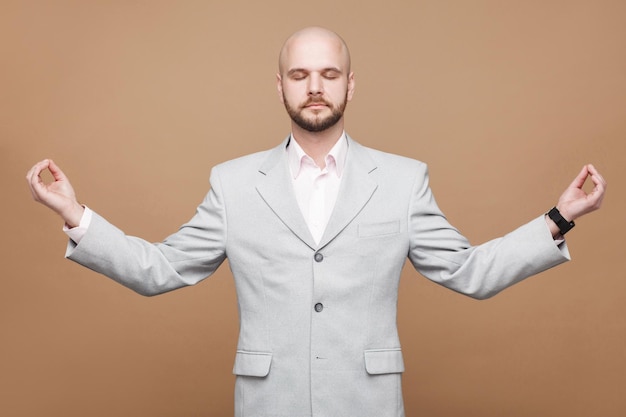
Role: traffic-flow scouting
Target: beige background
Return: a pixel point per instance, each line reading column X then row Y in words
column 136, row 100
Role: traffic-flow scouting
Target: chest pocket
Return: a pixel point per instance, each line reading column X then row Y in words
column 366, row 230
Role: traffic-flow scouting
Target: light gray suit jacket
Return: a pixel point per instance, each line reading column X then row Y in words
column 318, row 332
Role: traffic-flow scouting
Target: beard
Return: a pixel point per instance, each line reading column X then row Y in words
column 316, row 123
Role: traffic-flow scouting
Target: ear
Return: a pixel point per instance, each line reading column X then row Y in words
column 279, row 87
column 351, row 85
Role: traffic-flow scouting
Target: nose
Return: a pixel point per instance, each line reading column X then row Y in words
column 315, row 85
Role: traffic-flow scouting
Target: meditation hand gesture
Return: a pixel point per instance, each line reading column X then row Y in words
column 59, row 195
column 575, row 202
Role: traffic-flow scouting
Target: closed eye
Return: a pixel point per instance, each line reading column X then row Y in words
column 297, row 75
column 331, row 74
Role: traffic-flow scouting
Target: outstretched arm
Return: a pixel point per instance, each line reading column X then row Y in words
column 575, row 202
column 59, row 195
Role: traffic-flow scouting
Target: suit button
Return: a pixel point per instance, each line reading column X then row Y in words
column 318, row 257
column 319, row 307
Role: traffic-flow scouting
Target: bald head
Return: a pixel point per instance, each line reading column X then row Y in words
column 314, row 82
column 315, row 43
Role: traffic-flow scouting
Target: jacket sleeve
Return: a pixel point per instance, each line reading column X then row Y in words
column 445, row 256
column 186, row 257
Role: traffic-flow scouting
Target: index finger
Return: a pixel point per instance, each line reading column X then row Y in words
column 56, row 172
column 580, row 178
column 596, row 177
column 35, row 171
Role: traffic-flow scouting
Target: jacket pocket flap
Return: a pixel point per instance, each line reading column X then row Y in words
column 384, row 361
column 252, row 363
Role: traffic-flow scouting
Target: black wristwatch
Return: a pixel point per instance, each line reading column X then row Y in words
column 564, row 225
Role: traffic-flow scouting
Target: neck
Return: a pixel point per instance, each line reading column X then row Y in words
column 317, row 144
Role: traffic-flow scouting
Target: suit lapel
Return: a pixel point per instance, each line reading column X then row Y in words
column 357, row 187
column 276, row 189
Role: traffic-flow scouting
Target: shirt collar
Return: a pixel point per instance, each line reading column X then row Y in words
column 336, row 157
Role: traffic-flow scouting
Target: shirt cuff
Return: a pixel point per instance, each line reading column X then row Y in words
column 77, row 233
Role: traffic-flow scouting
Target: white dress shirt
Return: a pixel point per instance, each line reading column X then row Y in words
column 316, row 189
column 77, row 233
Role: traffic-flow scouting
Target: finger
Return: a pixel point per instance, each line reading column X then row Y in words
column 35, row 182
column 33, row 175
column 580, row 178
column 598, row 191
column 36, row 169
column 56, row 172
column 596, row 177
column 598, row 181
column 595, row 197
column 594, row 200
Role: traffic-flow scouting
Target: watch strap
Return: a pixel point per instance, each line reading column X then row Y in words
column 563, row 224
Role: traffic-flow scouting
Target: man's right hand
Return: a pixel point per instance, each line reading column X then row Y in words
column 58, row 195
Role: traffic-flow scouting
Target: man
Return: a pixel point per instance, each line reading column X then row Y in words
column 316, row 231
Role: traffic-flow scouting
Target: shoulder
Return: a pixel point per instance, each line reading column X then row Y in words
column 389, row 161
column 254, row 161
column 245, row 162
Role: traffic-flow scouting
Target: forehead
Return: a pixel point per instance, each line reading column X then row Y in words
column 314, row 52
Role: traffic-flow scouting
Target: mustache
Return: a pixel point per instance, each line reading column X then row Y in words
column 316, row 101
